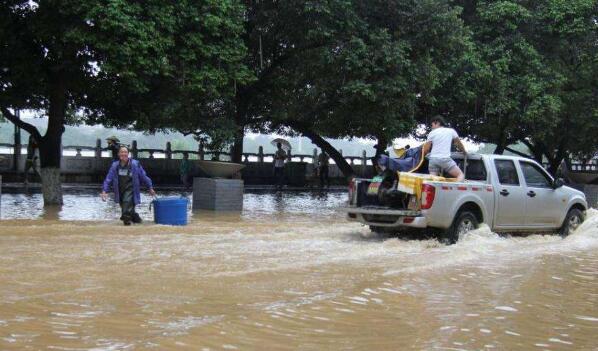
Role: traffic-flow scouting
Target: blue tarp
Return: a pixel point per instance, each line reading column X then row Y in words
column 407, row 163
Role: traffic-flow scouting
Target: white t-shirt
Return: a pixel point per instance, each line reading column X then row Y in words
column 442, row 140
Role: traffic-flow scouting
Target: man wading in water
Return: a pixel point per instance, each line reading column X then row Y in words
column 125, row 178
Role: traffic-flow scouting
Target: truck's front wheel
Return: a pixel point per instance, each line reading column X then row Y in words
column 573, row 220
column 464, row 222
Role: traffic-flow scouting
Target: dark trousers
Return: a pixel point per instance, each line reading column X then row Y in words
column 279, row 175
column 324, row 176
column 127, row 206
column 185, row 181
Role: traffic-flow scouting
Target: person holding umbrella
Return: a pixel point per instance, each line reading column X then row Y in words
column 113, row 146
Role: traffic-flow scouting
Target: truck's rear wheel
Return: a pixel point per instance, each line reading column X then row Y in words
column 464, row 222
column 572, row 221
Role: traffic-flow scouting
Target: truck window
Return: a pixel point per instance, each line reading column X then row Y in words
column 534, row 177
column 507, row 174
column 475, row 170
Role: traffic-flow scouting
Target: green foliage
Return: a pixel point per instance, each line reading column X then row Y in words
column 147, row 65
column 349, row 68
column 534, row 79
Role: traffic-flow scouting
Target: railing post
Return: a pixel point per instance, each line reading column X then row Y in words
column 98, row 151
column 168, row 151
column 314, row 158
column 17, row 143
column 133, row 150
column 260, row 154
column 364, row 163
column 201, row 151
column 78, row 154
column 289, row 156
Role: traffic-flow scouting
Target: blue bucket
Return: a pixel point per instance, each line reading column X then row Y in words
column 170, row 210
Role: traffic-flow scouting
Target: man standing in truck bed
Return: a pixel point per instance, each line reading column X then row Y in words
column 442, row 138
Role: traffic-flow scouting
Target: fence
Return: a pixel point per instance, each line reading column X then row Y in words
column 89, row 163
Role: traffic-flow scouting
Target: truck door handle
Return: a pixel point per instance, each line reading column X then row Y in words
column 504, row 192
column 531, row 193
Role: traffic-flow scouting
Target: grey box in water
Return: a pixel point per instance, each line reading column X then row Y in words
column 217, row 194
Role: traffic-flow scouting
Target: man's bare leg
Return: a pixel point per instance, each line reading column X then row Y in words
column 455, row 172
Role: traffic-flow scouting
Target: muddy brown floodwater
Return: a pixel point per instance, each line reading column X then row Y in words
column 289, row 273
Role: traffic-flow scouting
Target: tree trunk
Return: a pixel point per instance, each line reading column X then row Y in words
column 236, row 151
column 500, row 149
column 554, row 164
column 50, row 149
column 51, row 186
column 538, row 150
column 338, row 158
column 502, row 142
column 381, row 146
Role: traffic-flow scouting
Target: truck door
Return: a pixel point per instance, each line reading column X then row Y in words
column 543, row 203
column 509, row 195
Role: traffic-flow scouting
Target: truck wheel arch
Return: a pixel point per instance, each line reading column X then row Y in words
column 473, row 208
column 578, row 206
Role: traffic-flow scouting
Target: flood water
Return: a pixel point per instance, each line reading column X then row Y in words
column 289, row 273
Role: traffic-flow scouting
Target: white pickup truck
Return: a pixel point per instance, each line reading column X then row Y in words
column 509, row 194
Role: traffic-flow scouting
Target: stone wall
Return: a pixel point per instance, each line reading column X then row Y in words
column 84, row 169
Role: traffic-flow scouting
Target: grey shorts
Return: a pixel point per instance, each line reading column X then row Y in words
column 439, row 165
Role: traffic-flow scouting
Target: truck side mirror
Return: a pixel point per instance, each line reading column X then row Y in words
column 559, row 182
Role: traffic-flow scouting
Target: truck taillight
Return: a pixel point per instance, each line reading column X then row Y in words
column 428, row 194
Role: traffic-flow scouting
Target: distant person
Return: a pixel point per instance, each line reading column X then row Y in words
column 185, row 171
column 113, row 146
column 442, row 138
column 279, row 159
column 323, row 162
column 125, row 178
column 32, row 157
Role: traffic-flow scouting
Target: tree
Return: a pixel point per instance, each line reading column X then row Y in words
column 533, row 79
column 508, row 89
column 343, row 69
column 566, row 34
column 141, row 64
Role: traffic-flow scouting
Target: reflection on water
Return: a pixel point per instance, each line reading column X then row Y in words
column 288, row 273
column 88, row 206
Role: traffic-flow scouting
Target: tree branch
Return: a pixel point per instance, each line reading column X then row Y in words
column 30, row 128
column 519, row 153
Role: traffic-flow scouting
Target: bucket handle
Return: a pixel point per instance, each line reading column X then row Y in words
column 152, row 202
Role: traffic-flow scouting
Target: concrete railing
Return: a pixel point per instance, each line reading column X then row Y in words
column 89, row 163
